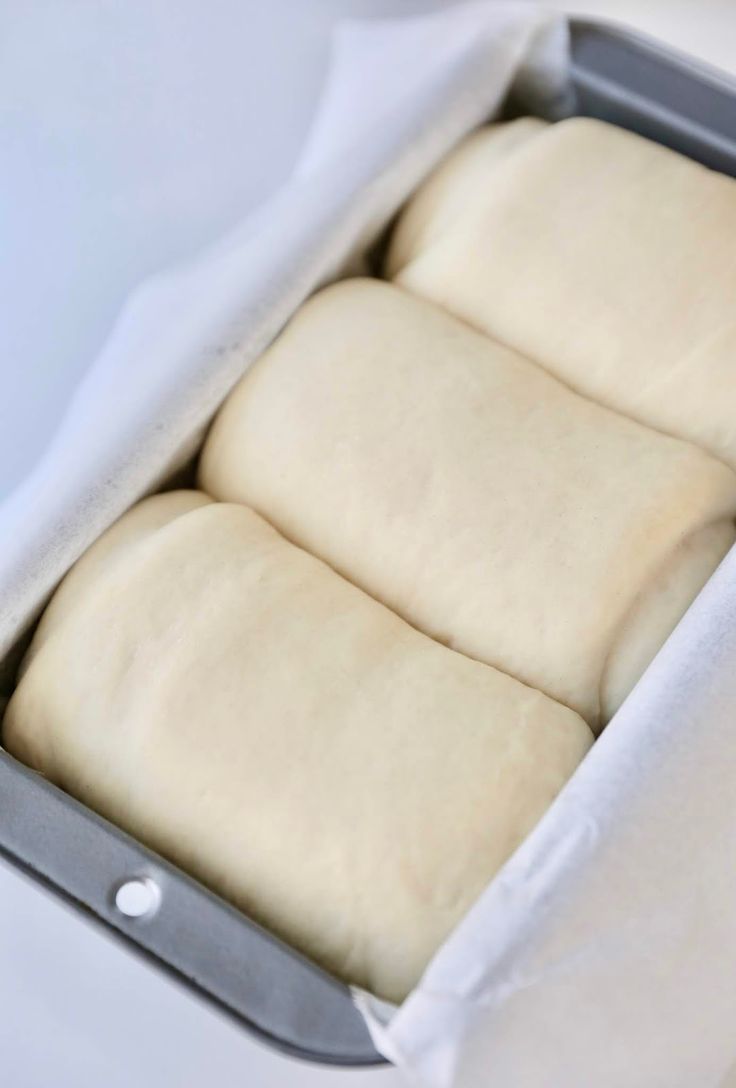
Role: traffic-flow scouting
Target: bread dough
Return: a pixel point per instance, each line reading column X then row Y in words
column 236, row 705
column 471, row 492
column 443, row 197
column 608, row 259
column 128, row 532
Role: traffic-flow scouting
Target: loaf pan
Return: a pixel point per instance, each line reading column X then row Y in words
column 274, row 992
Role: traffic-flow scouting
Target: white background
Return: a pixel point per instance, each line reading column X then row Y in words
column 132, row 134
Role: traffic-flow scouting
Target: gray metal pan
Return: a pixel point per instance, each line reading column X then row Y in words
column 635, row 82
column 272, row 991
column 277, row 994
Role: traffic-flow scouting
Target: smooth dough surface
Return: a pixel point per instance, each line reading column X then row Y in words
column 128, row 532
column 239, row 707
column 471, row 492
column 442, row 199
column 608, row 259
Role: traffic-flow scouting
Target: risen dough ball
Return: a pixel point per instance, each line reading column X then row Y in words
column 443, row 198
column 608, row 259
column 235, row 704
column 471, row 492
column 129, row 532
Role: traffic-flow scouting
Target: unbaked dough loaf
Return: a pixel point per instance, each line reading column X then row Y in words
column 443, row 198
column 129, row 532
column 235, row 704
column 605, row 257
column 471, row 492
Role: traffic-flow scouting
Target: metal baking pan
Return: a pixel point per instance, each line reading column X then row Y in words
column 273, row 991
column 635, row 82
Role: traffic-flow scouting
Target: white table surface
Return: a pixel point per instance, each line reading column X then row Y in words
column 112, row 169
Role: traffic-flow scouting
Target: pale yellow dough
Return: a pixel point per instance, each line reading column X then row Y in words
column 129, row 532
column 605, row 257
column 443, row 197
column 472, row 493
column 234, row 703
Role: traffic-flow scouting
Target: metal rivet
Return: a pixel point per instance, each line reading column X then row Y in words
column 138, row 898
